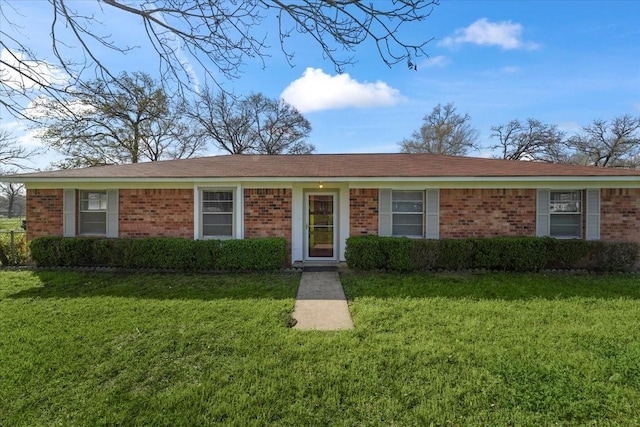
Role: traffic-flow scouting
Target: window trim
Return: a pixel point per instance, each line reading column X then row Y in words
column 580, row 214
column 235, row 212
column 422, row 214
column 81, row 199
column 71, row 212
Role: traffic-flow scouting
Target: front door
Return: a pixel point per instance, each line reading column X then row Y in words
column 320, row 226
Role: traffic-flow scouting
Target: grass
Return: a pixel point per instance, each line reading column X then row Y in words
column 8, row 224
column 20, row 253
column 108, row 349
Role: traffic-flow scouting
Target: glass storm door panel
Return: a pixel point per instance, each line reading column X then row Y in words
column 320, row 226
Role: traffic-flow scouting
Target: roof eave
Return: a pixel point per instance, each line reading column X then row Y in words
column 556, row 178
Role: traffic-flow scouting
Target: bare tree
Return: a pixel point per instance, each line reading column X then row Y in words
column 614, row 143
column 12, row 192
column 444, row 131
column 12, row 154
column 13, row 157
column 254, row 124
column 216, row 36
column 125, row 120
column 278, row 127
column 224, row 119
column 529, row 140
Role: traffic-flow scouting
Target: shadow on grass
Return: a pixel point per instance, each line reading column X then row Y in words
column 490, row 286
column 64, row 284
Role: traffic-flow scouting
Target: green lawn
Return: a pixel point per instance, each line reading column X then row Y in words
column 109, row 349
column 7, row 224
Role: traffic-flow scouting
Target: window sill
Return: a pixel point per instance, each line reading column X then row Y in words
column 217, row 237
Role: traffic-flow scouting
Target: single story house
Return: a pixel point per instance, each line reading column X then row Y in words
column 317, row 201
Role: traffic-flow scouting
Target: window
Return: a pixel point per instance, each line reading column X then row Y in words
column 93, row 213
column 217, row 214
column 565, row 210
column 407, row 209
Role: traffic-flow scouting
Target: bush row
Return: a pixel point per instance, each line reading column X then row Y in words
column 500, row 253
column 161, row 253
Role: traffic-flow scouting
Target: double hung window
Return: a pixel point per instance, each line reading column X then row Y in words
column 217, row 214
column 565, row 214
column 407, row 209
column 92, row 218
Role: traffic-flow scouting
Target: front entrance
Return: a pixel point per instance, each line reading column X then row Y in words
column 320, row 225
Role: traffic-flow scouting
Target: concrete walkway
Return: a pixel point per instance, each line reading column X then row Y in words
column 321, row 303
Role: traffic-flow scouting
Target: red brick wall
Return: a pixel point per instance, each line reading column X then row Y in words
column 620, row 214
column 363, row 211
column 44, row 213
column 156, row 212
column 463, row 213
column 267, row 213
column 487, row 212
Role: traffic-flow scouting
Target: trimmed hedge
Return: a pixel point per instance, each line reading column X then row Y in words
column 517, row 254
column 161, row 253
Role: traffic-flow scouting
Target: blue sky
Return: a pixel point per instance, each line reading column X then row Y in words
column 562, row 62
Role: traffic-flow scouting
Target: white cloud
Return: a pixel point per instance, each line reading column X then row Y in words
column 435, row 61
column 316, row 91
column 505, row 34
column 24, row 74
column 569, row 127
column 42, row 107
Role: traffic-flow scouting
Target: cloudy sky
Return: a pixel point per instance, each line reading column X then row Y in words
column 562, row 62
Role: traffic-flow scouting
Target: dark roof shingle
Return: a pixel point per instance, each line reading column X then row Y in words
column 398, row 165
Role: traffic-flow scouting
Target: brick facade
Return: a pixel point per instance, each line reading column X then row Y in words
column 44, row 213
column 363, row 211
column 487, row 212
column 267, row 213
column 620, row 214
column 156, row 212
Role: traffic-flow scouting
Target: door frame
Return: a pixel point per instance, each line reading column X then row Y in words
column 336, row 221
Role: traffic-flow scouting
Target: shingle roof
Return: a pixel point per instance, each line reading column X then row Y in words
column 398, row 165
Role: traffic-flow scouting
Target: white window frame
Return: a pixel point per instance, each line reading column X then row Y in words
column 234, row 212
column 560, row 213
column 421, row 213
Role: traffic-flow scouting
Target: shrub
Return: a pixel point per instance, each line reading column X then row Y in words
column 158, row 252
column 614, row 256
column 161, row 253
column 110, row 252
column 77, row 251
column 377, row 253
column 20, row 253
column 364, row 253
column 510, row 253
column 499, row 253
column 455, row 254
column 396, row 252
column 567, row 254
column 424, row 256
column 252, row 254
column 45, row 251
column 206, row 254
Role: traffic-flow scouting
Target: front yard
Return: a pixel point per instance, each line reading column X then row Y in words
column 98, row 349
